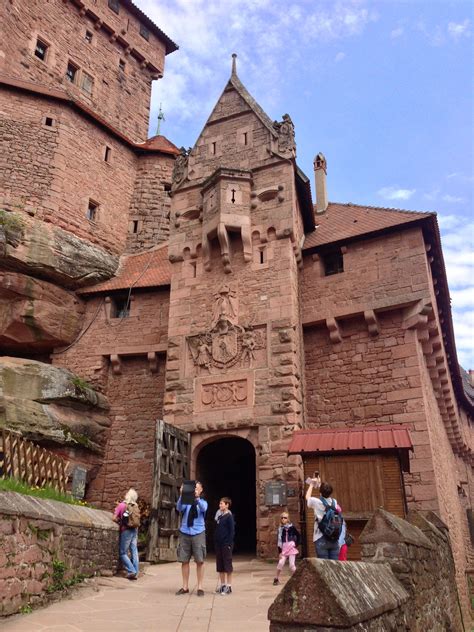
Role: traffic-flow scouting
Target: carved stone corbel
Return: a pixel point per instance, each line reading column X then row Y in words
column 416, row 316
column 334, row 330
column 372, row 322
column 116, row 365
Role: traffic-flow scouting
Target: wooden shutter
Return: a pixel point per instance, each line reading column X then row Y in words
column 361, row 483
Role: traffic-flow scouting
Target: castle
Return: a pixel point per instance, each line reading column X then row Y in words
column 273, row 335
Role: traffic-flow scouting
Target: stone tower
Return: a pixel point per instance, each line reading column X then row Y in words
column 239, row 208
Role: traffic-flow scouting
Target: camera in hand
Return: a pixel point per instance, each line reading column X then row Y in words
column 187, row 495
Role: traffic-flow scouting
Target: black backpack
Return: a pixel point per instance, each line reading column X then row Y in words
column 331, row 523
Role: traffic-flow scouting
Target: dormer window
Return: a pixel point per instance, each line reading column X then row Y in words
column 333, row 262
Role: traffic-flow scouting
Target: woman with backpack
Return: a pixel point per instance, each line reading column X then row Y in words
column 127, row 515
column 327, row 521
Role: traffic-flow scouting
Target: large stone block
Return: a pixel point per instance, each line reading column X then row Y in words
column 46, row 251
column 336, row 595
column 36, row 315
column 46, row 403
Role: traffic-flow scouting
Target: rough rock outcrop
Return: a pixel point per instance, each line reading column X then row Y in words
column 48, row 404
column 36, row 315
column 46, row 251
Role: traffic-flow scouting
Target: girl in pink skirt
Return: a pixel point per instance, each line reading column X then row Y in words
column 288, row 541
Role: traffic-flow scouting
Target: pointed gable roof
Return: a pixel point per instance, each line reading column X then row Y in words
column 348, row 221
column 235, row 83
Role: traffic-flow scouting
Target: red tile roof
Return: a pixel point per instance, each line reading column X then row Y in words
column 158, row 143
column 146, row 269
column 345, row 221
column 348, row 439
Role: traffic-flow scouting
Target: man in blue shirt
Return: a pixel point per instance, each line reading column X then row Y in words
column 192, row 538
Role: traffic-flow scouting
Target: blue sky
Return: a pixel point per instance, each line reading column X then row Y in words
column 383, row 89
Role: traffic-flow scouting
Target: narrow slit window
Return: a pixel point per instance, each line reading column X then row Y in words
column 214, row 148
column 135, row 226
column 41, row 50
column 245, row 138
column 92, row 211
column 333, row 262
column 107, row 153
column 262, row 256
column 71, row 72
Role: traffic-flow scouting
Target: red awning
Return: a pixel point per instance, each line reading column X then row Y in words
column 351, row 439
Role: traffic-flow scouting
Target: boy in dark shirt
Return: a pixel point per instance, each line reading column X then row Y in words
column 224, row 543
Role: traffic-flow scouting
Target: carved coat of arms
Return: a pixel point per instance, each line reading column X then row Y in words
column 226, row 343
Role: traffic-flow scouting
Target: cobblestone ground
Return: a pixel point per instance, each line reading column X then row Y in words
column 150, row 604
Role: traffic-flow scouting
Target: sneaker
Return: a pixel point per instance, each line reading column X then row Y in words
column 276, row 581
column 226, row 590
column 131, row 576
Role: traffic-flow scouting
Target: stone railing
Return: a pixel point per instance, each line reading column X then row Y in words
column 45, row 543
column 406, row 581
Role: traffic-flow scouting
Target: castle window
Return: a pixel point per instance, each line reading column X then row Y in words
column 71, row 72
column 333, row 262
column 120, row 307
column 87, row 83
column 135, row 226
column 245, row 138
column 41, row 50
column 107, row 153
column 115, row 6
column 144, row 32
column 167, row 189
column 214, row 148
column 88, row 36
column 92, row 211
column 48, row 121
column 121, row 65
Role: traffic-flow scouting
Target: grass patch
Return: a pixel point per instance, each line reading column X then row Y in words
column 14, row 485
column 58, row 581
column 26, row 609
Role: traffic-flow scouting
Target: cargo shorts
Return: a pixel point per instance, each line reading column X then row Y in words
column 191, row 545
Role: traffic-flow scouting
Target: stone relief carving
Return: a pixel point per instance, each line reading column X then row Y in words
column 226, row 343
column 180, row 165
column 224, row 394
column 286, row 134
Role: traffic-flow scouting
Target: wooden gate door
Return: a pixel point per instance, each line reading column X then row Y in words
column 171, row 467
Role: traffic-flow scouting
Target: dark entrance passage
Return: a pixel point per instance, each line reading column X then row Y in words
column 226, row 467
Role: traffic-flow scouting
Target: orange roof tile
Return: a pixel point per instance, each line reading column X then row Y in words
column 158, row 143
column 146, row 269
column 345, row 221
column 387, row 437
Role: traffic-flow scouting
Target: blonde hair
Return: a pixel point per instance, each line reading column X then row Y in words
column 285, row 514
column 131, row 496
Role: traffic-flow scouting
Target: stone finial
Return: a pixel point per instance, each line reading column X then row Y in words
column 234, row 63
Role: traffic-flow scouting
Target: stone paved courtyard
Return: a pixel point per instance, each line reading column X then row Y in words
column 150, row 605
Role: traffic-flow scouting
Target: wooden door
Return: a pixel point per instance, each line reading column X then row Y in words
column 171, row 467
column 361, row 483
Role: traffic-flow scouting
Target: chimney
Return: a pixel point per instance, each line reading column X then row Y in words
column 320, row 170
column 471, row 377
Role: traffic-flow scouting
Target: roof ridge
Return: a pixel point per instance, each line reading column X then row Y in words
column 383, row 208
column 145, row 252
column 251, row 102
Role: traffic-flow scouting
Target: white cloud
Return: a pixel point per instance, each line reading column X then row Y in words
column 339, row 57
column 394, row 193
column 398, row 32
column 452, row 199
column 457, row 30
column 432, row 195
column 259, row 31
